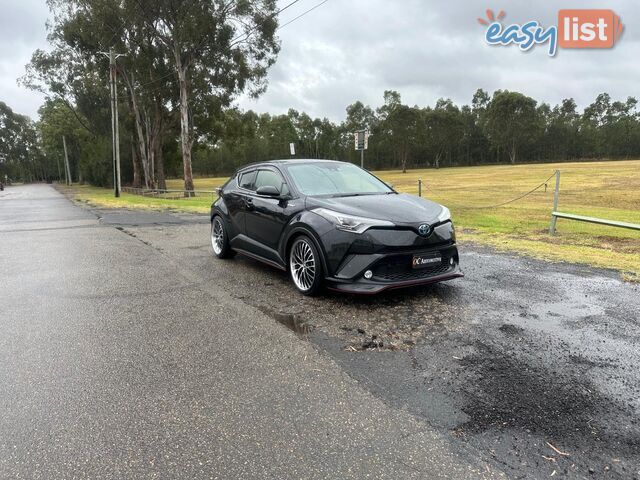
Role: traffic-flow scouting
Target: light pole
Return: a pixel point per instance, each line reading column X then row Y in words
column 115, row 131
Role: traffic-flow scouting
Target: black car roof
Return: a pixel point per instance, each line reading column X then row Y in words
column 286, row 161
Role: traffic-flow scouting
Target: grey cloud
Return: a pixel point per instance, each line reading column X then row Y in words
column 428, row 50
column 22, row 30
column 349, row 50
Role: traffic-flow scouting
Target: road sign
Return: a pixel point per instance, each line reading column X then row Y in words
column 361, row 138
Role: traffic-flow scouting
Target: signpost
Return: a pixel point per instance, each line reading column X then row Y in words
column 362, row 143
column 292, row 149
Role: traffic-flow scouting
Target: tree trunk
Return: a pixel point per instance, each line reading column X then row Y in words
column 512, row 154
column 144, row 159
column 135, row 160
column 185, row 129
column 162, row 183
column 155, row 145
column 151, row 167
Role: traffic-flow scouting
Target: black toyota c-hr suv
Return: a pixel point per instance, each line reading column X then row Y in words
column 335, row 224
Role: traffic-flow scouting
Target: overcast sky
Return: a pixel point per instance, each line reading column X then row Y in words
column 349, row 50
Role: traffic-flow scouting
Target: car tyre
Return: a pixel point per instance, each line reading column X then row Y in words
column 305, row 266
column 220, row 239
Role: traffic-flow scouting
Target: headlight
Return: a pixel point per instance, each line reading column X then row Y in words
column 351, row 223
column 445, row 214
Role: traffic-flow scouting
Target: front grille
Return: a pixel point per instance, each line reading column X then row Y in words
column 413, row 274
column 397, row 268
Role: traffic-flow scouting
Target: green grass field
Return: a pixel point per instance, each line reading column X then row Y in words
column 608, row 190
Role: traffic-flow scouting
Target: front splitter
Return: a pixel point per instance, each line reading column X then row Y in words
column 362, row 288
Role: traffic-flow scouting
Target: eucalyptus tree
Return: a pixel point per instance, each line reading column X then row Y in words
column 512, row 122
column 82, row 34
column 20, row 156
column 196, row 55
column 218, row 49
column 67, row 75
column 443, row 128
column 397, row 128
column 56, row 121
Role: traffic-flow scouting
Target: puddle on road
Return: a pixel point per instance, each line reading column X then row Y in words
column 290, row 320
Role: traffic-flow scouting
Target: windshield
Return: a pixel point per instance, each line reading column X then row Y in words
column 335, row 178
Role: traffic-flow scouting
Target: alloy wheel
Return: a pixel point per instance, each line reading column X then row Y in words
column 302, row 263
column 217, row 236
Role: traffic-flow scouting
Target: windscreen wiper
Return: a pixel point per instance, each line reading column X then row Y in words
column 340, row 195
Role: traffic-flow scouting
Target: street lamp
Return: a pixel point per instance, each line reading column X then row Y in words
column 114, row 119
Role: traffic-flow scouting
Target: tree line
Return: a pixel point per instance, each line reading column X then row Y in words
column 183, row 64
column 506, row 127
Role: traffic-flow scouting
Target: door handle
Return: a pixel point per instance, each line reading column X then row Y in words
column 248, row 202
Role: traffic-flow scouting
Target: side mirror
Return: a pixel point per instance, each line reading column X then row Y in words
column 268, row 191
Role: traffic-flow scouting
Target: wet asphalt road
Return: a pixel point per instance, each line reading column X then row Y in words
column 121, row 358
column 130, row 352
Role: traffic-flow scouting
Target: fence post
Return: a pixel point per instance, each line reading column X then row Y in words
column 554, row 219
column 419, row 187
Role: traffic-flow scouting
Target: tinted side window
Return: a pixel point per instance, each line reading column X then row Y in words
column 247, row 180
column 271, row 178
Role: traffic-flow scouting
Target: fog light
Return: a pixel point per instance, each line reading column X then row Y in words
column 452, row 262
column 368, row 274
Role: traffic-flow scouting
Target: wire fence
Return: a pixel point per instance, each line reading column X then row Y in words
column 170, row 194
column 520, row 197
column 603, row 216
column 422, row 185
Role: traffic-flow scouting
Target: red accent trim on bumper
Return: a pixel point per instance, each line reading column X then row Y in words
column 393, row 286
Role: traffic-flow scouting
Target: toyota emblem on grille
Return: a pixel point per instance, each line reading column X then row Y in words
column 424, row 229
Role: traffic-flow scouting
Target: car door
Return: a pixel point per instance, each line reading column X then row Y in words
column 237, row 200
column 268, row 216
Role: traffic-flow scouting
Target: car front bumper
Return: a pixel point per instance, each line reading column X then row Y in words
column 366, row 287
column 390, row 268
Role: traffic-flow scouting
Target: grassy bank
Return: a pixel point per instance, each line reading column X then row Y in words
column 601, row 189
column 103, row 198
